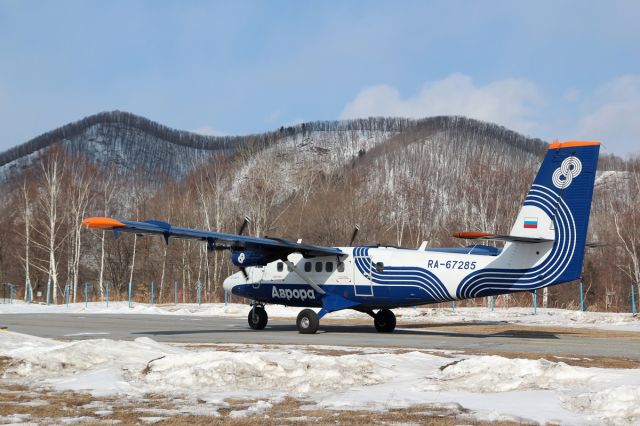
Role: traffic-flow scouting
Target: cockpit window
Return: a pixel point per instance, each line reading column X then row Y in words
column 340, row 266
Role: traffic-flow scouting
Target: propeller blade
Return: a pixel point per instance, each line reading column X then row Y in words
column 246, row 221
column 353, row 236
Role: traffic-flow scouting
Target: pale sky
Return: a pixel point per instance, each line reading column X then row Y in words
column 549, row 69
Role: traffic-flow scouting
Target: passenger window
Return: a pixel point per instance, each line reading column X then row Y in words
column 340, row 266
column 379, row 267
column 329, row 266
column 280, row 266
column 307, row 266
column 289, row 268
column 318, row 266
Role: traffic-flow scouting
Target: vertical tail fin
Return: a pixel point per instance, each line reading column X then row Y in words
column 559, row 203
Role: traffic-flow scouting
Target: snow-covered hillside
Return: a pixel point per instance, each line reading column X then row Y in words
column 295, row 160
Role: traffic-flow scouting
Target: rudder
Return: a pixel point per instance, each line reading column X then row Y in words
column 558, row 204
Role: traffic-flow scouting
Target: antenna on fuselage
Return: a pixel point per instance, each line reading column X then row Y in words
column 354, row 235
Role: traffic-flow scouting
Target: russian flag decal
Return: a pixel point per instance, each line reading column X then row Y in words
column 531, row 222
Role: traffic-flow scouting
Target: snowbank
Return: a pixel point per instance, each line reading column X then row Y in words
column 492, row 387
column 543, row 317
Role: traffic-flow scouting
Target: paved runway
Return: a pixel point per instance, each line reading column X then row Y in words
column 490, row 337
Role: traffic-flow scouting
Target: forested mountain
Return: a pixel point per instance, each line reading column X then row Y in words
column 403, row 181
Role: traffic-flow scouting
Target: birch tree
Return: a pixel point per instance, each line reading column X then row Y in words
column 107, row 193
column 27, row 213
column 81, row 182
column 51, row 174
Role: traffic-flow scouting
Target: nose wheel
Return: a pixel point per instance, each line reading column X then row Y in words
column 258, row 317
column 384, row 321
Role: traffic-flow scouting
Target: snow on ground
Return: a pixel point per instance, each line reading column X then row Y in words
column 543, row 317
column 492, row 387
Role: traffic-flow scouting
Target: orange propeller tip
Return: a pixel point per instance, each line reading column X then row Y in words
column 467, row 235
column 102, row 223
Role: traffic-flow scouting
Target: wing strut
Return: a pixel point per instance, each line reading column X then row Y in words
column 304, row 276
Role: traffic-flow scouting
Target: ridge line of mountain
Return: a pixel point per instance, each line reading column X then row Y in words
column 206, row 142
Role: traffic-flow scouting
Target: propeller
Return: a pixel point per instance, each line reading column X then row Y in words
column 355, row 233
column 244, row 272
column 242, row 228
column 246, row 221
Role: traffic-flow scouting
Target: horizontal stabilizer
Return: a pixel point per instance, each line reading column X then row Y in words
column 495, row 237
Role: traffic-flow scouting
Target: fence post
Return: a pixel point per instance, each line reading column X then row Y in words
column 66, row 295
column 175, row 292
column 28, row 295
column 225, row 298
column 492, row 304
column 199, row 287
column 48, row 288
column 633, row 300
column 11, row 294
column 86, row 295
column 107, row 288
column 453, row 305
column 581, row 298
column 535, row 302
column 4, row 293
column 129, row 295
column 152, row 293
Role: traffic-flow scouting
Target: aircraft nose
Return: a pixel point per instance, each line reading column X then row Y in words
column 232, row 281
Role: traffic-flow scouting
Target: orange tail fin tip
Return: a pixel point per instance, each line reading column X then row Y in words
column 569, row 144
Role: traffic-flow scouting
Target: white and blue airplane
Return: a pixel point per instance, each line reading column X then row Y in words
column 545, row 247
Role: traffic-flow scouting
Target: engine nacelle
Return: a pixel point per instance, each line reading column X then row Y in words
column 250, row 258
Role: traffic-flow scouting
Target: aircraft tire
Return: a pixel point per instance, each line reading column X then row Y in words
column 258, row 318
column 385, row 321
column 307, row 321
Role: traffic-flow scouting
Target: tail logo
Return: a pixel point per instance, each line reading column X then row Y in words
column 568, row 170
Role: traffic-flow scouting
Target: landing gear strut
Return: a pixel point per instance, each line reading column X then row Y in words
column 258, row 317
column 307, row 322
column 385, row 321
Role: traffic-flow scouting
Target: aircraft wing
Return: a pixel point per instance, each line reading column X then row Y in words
column 214, row 240
column 495, row 237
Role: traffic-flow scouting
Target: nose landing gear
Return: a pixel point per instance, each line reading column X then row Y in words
column 258, row 317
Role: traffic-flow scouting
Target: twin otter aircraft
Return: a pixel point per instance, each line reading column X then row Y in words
column 545, row 247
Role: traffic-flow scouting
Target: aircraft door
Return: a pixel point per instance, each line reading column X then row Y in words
column 362, row 284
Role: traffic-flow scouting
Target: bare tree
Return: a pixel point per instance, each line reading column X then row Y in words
column 80, row 185
column 27, row 213
column 51, row 175
column 107, row 193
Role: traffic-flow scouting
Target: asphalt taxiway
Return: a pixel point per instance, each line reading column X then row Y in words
column 490, row 337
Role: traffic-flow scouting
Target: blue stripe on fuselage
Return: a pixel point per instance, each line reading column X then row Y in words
column 384, row 296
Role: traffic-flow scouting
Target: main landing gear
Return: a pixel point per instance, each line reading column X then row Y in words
column 307, row 321
column 384, row 320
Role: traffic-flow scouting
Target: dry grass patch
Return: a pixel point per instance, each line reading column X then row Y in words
column 575, row 360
